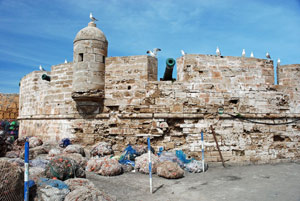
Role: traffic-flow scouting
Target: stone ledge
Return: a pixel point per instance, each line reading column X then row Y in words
column 47, row 117
column 136, row 115
column 165, row 116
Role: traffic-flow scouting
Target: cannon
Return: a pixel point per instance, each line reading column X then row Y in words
column 46, row 77
column 170, row 62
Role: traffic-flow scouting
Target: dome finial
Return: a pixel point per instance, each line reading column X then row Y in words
column 92, row 24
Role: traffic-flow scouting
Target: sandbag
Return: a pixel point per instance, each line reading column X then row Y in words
column 101, row 149
column 38, row 162
column 49, row 193
column 34, row 142
column 12, row 154
column 195, row 166
column 169, row 170
column 142, row 149
column 20, row 142
column 48, row 146
column 11, row 181
column 34, row 152
column 126, row 167
column 35, row 173
column 74, row 148
column 17, row 162
column 64, row 168
column 78, row 182
column 105, row 166
column 52, row 190
column 54, row 152
column 170, row 156
column 142, row 163
column 86, row 193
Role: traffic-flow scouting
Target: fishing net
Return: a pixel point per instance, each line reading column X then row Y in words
column 64, row 168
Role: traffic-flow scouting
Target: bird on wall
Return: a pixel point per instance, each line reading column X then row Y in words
column 182, row 53
column 218, row 52
column 243, row 53
column 66, row 61
column 41, row 68
column 251, row 55
column 153, row 53
column 278, row 62
column 268, row 55
column 92, row 18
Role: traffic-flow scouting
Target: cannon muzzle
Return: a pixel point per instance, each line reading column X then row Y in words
column 170, row 62
column 46, row 77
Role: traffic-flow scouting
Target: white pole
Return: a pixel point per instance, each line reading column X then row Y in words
column 150, row 164
column 202, row 151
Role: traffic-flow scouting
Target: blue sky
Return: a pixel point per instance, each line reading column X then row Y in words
column 41, row 32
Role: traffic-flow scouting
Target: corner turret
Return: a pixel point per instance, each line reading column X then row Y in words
column 90, row 51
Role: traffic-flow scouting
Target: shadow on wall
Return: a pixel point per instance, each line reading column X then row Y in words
column 89, row 108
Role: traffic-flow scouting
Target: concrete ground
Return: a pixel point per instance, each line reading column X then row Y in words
column 272, row 182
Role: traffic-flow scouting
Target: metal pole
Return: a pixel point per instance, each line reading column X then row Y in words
column 26, row 172
column 150, row 164
column 203, row 167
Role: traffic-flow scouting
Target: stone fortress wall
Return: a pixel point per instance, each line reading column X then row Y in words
column 9, row 106
column 259, row 123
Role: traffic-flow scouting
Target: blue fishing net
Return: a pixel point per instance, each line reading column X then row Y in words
column 181, row 156
column 53, row 182
column 128, row 156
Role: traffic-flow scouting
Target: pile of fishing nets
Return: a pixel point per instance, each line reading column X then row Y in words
column 64, row 168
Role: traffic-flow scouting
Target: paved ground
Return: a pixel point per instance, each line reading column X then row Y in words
column 279, row 182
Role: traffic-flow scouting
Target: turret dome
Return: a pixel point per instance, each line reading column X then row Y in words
column 91, row 32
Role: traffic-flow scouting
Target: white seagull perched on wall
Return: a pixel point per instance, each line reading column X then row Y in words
column 41, row 68
column 218, row 52
column 278, row 62
column 268, row 55
column 251, row 55
column 66, row 61
column 182, row 52
column 92, row 18
column 243, row 53
column 153, row 53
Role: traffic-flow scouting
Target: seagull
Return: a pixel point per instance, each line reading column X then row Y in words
column 251, row 55
column 218, row 51
column 243, row 53
column 268, row 55
column 278, row 62
column 92, row 18
column 41, row 68
column 153, row 53
column 182, row 53
column 66, row 61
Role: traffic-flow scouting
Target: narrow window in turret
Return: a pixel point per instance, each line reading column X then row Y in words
column 103, row 59
column 80, row 57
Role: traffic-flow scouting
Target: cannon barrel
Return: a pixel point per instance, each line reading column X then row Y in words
column 170, row 62
column 46, row 77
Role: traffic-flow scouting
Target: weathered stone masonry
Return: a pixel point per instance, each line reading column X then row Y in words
column 9, row 106
column 126, row 103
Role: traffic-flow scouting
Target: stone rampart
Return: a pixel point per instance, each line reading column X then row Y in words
column 258, row 124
